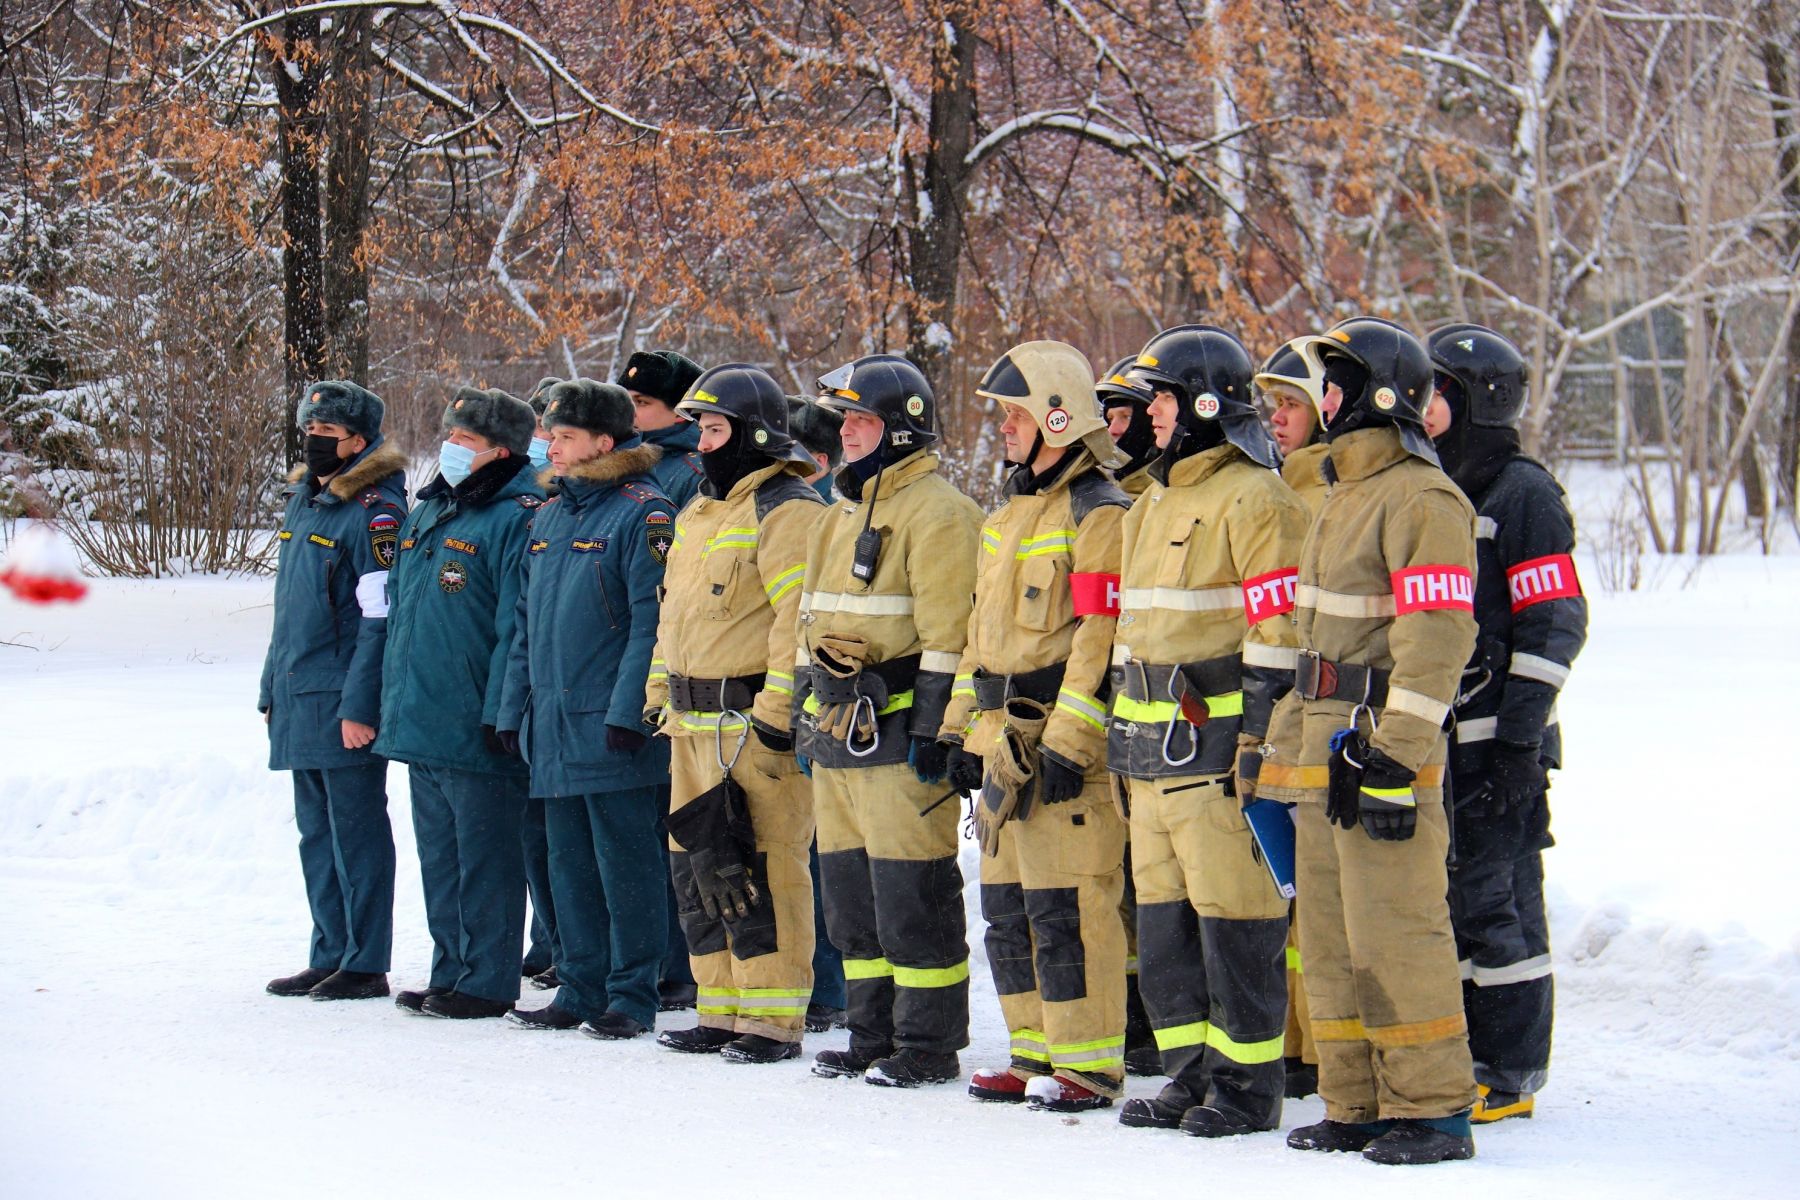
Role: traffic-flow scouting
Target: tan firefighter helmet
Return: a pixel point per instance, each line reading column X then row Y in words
column 1296, row 365
column 1055, row 384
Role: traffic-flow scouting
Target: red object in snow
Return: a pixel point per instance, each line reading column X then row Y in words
column 41, row 568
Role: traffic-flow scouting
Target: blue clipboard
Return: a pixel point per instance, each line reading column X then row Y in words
column 1272, row 825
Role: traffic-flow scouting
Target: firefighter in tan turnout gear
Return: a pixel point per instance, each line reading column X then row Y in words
column 884, row 612
column 1028, row 707
column 1292, row 383
column 741, row 820
column 1204, row 648
column 1385, row 618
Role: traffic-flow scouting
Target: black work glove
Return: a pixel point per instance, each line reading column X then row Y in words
column 780, row 743
column 624, row 741
column 929, row 759
column 726, row 892
column 500, row 741
column 1058, row 778
column 1387, row 808
column 1515, row 777
column 964, row 770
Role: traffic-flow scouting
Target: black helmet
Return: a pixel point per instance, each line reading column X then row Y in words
column 754, row 402
column 1489, row 370
column 1209, row 373
column 889, row 388
column 1116, row 387
column 1389, row 380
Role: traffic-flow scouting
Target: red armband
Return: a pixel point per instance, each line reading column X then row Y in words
column 1096, row 594
column 1433, row 586
column 1271, row 594
column 1549, row 578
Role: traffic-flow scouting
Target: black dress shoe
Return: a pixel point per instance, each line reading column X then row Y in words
column 755, row 1048
column 612, row 1027
column 459, row 1006
column 701, row 1039
column 822, row 1018
column 546, row 980
column 299, row 984
column 414, row 1001
column 352, row 985
column 547, row 1017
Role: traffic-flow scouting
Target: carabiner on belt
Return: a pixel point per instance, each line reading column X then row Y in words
column 1176, row 718
column 742, row 726
column 856, row 710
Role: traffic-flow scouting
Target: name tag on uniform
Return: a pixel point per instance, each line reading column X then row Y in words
column 319, row 539
column 536, row 547
column 588, row 545
column 458, row 544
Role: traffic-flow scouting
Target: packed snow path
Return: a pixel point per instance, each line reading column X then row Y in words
column 150, row 887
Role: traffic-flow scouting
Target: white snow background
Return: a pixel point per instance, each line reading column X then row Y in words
column 149, row 886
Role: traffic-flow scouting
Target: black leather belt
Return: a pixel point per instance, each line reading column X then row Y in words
column 896, row 675
column 993, row 691
column 1318, row 678
column 1149, row 682
column 714, row 695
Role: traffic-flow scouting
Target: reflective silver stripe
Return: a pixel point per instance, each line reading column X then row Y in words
column 1530, row 666
column 1481, row 729
column 1486, row 527
column 1121, row 654
column 1466, row 968
column 873, row 605
column 1553, row 718
column 1284, row 658
column 1417, row 704
column 940, row 661
column 1342, row 604
column 1215, row 599
column 801, row 657
column 1519, row 972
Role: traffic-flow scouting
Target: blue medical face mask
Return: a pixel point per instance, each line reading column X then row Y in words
column 455, row 463
column 540, row 452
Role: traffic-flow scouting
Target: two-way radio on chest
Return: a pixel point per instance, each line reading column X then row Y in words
column 868, row 542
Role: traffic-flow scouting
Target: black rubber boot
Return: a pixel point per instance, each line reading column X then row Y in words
column 414, row 1001
column 456, row 1006
column 1302, row 1079
column 299, row 984
column 701, row 1039
column 612, row 1027
column 755, row 1048
column 545, row 981
column 673, row 997
column 547, row 1017
column 1161, row 1111
column 1207, row 1122
column 352, row 985
column 910, row 1068
column 1416, row 1142
column 1331, row 1136
column 823, row 1019
column 842, row 1064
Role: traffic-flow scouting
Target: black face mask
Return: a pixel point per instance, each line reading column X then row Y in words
column 322, row 454
column 1138, row 442
column 727, row 464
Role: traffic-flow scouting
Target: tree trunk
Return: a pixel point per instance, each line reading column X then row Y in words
column 294, row 54
column 934, row 246
column 1784, row 103
column 346, row 278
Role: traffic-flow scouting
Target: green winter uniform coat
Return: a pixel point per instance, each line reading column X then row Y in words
column 453, row 596
column 324, row 660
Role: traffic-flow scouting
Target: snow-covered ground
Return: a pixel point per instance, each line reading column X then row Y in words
column 149, row 886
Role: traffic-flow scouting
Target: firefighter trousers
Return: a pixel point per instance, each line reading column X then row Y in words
column 1055, row 943
column 753, row 974
column 1299, row 1041
column 1381, row 975
column 1212, row 947
column 894, row 906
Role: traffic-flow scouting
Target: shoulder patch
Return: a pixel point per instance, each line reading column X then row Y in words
column 383, row 520
column 659, row 535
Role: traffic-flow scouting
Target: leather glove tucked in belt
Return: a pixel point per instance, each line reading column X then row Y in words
column 929, row 759
column 780, row 743
column 1365, row 785
column 964, row 770
column 1058, row 778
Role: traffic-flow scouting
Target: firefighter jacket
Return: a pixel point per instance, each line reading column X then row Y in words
column 1209, row 569
column 1301, row 471
column 913, row 609
column 1046, row 598
column 679, row 473
column 1386, row 594
column 731, row 593
column 1530, row 613
column 453, row 595
column 586, row 625
column 1138, row 482
column 324, row 661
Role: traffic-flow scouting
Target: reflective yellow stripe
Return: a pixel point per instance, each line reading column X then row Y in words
column 1177, row 1036
column 1085, row 707
column 1417, row 1033
column 903, row 700
column 785, row 582
column 773, row 1002
column 1205, row 1033
column 1399, row 795
column 656, row 674
column 1054, row 542
column 1102, row 1054
column 930, row 977
column 1293, row 960
column 1029, row 1043
column 779, row 682
column 1338, row 1029
column 680, row 537
column 716, row 1002
column 963, row 685
column 711, row 720
column 1131, row 964
column 990, row 541
column 867, row 968
column 1158, row 712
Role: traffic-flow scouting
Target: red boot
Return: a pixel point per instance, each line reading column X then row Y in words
column 1000, row 1084
column 1059, row 1093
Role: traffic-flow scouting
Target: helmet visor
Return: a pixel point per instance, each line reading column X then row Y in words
column 1004, row 381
